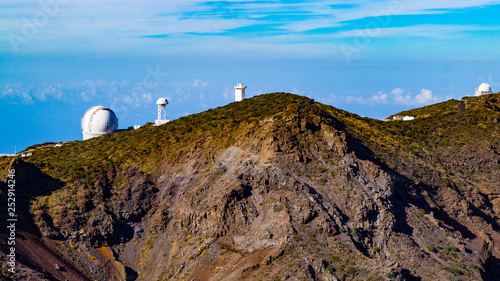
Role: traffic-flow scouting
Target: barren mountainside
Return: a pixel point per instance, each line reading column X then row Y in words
column 275, row 187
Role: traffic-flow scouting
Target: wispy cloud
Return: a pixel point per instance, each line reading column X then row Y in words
column 199, row 83
column 430, row 30
column 397, row 96
column 101, row 91
column 261, row 25
column 425, row 97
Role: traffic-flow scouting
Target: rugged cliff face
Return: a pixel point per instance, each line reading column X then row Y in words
column 275, row 187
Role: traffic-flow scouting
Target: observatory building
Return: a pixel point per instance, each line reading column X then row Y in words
column 484, row 89
column 98, row 121
column 162, row 114
column 239, row 92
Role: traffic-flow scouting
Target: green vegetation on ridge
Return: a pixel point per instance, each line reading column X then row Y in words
column 444, row 128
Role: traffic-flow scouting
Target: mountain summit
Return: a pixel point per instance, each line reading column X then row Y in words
column 275, row 187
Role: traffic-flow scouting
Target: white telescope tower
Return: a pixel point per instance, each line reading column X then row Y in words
column 239, row 92
column 162, row 114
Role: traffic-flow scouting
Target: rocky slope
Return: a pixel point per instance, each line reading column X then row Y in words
column 276, row 187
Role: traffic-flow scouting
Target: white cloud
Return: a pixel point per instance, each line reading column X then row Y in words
column 179, row 91
column 425, row 97
column 85, row 97
column 397, row 92
column 330, row 99
column 384, row 10
column 16, row 93
column 350, row 99
column 26, row 98
column 137, row 99
column 227, row 94
column 380, row 97
column 147, row 98
column 396, row 97
column 199, row 83
column 404, row 100
column 125, row 26
column 399, row 98
column 102, row 92
column 440, row 31
column 300, row 26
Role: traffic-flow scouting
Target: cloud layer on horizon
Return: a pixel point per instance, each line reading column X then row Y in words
column 117, row 95
column 396, row 96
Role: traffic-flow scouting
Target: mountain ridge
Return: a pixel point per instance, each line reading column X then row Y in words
column 275, row 186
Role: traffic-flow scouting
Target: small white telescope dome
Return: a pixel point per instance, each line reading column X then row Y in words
column 98, row 121
column 162, row 101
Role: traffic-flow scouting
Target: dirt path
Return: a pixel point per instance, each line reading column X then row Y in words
column 171, row 254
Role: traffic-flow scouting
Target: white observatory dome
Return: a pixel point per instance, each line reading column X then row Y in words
column 483, row 89
column 98, row 121
column 162, row 101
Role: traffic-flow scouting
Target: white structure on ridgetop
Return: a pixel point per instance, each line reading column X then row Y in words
column 239, row 92
column 484, row 89
column 98, row 121
column 162, row 114
column 403, row 118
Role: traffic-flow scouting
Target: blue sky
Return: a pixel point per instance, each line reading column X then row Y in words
column 373, row 58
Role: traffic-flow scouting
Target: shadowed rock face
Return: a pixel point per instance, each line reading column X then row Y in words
column 286, row 188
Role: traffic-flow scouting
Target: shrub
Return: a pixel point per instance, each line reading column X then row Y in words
column 431, row 248
column 320, row 169
column 321, row 181
column 330, row 268
column 475, row 267
column 351, row 270
column 456, row 271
